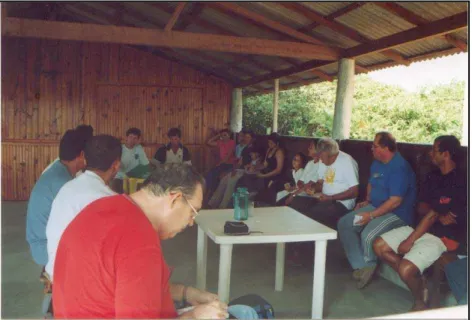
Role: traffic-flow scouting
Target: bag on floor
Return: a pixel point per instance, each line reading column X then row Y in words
column 263, row 308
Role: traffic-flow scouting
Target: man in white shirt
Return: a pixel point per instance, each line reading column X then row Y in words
column 134, row 162
column 338, row 183
column 102, row 154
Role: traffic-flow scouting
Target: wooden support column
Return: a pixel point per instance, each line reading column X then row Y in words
column 344, row 99
column 237, row 110
column 275, row 108
column 465, row 116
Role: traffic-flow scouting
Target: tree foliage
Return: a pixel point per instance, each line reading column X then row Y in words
column 416, row 117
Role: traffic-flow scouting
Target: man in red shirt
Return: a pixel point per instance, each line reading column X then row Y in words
column 110, row 264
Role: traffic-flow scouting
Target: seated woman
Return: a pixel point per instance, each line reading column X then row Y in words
column 222, row 196
column 269, row 180
column 226, row 148
column 298, row 165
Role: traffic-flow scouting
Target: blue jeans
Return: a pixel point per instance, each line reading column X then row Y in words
column 456, row 274
column 357, row 240
column 240, row 311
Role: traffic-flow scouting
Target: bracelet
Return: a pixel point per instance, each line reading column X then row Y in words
column 184, row 295
column 371, row 216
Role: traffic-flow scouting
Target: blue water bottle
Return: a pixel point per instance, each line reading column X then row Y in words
column 240, row 201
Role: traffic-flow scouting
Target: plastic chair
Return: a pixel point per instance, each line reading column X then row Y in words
column 131, row 185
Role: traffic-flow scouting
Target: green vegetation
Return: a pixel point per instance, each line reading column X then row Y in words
column 411, row 117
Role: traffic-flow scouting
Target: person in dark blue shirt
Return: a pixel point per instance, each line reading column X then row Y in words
column 391, row 195
column 443, row 227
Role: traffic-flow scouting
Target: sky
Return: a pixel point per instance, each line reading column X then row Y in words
column 437, row 71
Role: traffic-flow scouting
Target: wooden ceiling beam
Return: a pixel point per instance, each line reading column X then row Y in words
column 402, row 12
column 175, row 16
column 144, row 36
column 417, row 20
column 168, row 54
column 340, row 28
column 456, row 42
column 332, row 16
column 260, row 19
column 191, row 15
column 360, row 69
column 287, row 86
column 433, row 29
column 318, row 18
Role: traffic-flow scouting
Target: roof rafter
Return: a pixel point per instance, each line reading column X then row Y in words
column 417, row 20
column 188, row 19
column 175, row 16
column 433, row 29
column 231, row 7
column 16, row 27
column 165, row 53
column 334, row 15
column 339, row 27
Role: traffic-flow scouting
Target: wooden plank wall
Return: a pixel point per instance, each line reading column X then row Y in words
column 50, row 86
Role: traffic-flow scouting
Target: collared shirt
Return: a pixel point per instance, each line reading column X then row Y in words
column 165, row 154
column 69, row 202
column 39, row 208
column 56, row 160
column 130, row 159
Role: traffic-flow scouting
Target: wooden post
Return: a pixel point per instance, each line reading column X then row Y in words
column 344, row 99
column 237, row 110
column 465, row 116
column 275, row 108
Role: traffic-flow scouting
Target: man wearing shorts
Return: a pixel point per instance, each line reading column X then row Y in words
column 443, row 206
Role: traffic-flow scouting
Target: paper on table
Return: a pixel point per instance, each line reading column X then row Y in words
column 356, row 220
column 183, row 310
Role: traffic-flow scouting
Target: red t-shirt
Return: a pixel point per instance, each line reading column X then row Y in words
column 226, row 147
column 109, row 264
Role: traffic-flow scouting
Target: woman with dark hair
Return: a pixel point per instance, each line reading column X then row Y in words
column 269, row 180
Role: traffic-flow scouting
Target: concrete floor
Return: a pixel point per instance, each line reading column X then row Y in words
column 253, row 271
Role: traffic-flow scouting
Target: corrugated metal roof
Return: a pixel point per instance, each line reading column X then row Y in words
column 337, row 38
column 425, row 46
column 370, row 20
column 326, row 8
column 277, row 13
column 374, row 22
column 432, row 11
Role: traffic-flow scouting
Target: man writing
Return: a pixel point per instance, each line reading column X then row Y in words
column 110, row 264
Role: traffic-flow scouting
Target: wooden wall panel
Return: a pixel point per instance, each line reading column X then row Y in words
column 51, row 86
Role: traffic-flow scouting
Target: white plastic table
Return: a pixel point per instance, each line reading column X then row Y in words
column 278, row 225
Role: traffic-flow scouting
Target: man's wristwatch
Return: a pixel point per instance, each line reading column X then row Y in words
column 371, row 216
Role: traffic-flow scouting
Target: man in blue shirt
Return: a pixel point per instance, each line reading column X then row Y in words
column 72, row 160
column 391, row 195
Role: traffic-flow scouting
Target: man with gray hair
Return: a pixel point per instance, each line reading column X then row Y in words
column 334, row 194
column 109, row 263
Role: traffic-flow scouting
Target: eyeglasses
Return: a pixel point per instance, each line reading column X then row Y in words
column 195, row 212
column 375, row 146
